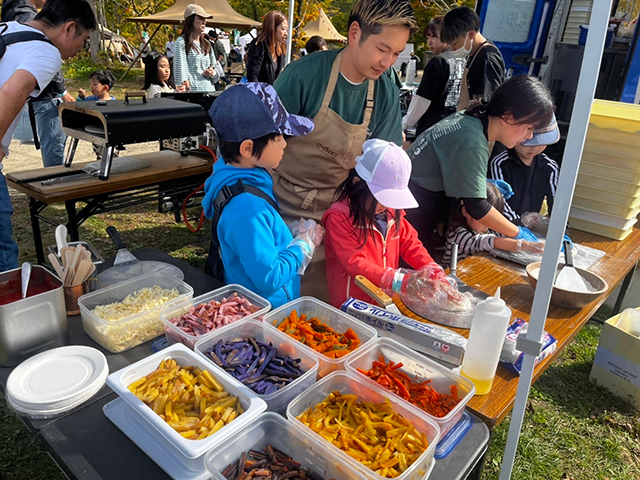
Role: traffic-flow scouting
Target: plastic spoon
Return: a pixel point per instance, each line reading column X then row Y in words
column 25, row 274
column 61, row 237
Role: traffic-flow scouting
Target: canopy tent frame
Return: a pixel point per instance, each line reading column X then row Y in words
column 531, row 343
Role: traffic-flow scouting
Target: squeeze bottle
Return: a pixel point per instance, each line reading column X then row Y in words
column 488, row 330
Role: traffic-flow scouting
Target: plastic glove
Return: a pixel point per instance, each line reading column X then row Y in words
column 535, row 222
column 304, row 242
column 310, row 227
column 504, row 187
column 566, row 239
column 525, row 234
column 531, row 247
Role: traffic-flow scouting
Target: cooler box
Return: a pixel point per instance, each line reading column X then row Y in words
column 617, row 363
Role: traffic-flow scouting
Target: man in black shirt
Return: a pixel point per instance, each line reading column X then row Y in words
column 532, row 175
column 485, row 69
column 45, row 107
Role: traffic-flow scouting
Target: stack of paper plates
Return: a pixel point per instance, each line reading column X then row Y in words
column 56, row 381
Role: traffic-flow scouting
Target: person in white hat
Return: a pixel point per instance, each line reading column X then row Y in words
column 366, row 232
column 194, row 59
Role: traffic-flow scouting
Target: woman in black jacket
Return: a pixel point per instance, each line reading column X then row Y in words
column 266, row 54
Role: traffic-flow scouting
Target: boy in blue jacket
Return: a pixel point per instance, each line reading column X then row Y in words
column 258, row 250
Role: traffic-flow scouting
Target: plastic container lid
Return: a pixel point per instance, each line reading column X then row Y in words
column 57, row 378
column 453, row 437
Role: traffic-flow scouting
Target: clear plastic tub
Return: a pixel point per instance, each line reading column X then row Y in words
column 121, row 335
column 605, row 195
column 347, row 382
column 278, row 401
column 336, row 319
column 419, row 368
column 272, row 429
column 618, row 186
column 611, row 173
column 175, row 334
column 156, row 426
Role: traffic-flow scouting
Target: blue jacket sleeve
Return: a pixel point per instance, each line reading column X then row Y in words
column 248, row 230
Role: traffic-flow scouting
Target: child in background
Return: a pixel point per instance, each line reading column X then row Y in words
column 157, row 75
column 472, row 237
column 101, row 82
column 256, row 247
column 366, row 232
column 531, row 174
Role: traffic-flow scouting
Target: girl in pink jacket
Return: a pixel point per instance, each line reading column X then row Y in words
column 365, row 230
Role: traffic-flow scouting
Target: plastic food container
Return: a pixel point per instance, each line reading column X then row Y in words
column 347, row 382
column 603, row 218
column 626, row 211
column 278, row 401
column 124, row 334
column 619, row 186
column 605, row 231
column 605, row 195
column 611, row 173
column 194, row 450
column 616, row 116
column 612, row 155
column 419, row 368
column 333, row 317
column 175, row 334
column 272, row 429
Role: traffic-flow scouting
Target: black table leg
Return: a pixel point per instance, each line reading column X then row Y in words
column 623, row 290
column 72, row 224
column 34, row 211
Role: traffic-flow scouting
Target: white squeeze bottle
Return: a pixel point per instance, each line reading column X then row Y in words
column 489, row 327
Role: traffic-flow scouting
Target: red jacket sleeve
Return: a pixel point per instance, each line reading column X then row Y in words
column 411, row 249
column 339, row 237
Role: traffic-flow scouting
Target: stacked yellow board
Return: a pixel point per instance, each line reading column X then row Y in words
column 606, row 200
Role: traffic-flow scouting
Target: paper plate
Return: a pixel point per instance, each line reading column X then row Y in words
column 58, row 377
column 46, row 413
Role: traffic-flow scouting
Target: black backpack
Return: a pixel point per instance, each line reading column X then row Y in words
column 214, row 266
column 7, row 39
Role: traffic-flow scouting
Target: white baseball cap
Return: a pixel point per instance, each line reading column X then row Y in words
column 195, row 9
column 386, row 168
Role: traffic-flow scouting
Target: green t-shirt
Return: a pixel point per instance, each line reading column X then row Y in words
column 301, row 87
column 452, row 156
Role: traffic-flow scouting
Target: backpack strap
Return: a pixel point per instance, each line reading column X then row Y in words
column 7, row 39
column 214, row 266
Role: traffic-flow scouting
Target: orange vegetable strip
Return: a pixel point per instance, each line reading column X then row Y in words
column 420, row 394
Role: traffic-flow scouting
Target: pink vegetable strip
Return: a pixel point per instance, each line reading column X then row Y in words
column 206, row 317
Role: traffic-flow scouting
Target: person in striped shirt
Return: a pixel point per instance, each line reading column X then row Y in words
column 533, row 176
column 472, row 237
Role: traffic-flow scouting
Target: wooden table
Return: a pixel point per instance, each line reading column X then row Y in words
column 169, row 175
column 487, row 273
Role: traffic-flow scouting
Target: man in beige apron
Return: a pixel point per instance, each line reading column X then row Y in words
column 311, row 170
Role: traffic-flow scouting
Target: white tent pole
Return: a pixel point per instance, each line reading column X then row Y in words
column 531, row 343
column 290, row 35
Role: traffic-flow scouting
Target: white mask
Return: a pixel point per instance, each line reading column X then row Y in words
column 461, row 52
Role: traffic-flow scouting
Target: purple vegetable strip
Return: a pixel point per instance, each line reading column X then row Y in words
column 256, row 364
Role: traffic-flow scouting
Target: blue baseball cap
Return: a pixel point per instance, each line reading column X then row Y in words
column 545, row 136
column 253, row 110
